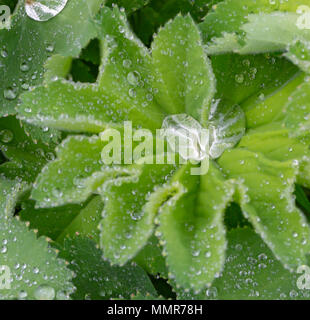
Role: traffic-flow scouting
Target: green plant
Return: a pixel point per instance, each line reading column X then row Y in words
column 224, row 234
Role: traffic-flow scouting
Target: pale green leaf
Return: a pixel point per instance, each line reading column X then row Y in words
column 297, row 110
column 251, row 273
column 266, row 198
column 183, row 74
column 276, row 143
column 191, row 228
column 80, row 171
column 28, row 43
column 130, row 210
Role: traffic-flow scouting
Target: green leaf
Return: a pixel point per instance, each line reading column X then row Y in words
column 34, row 267
column 70, row 106
column 126, row 71
column 86, row 222
column 298, row 53
column 148, row 19
column 96, row 279
column 270, row 32
column 302, row 199
column 266, row 199
column 10, row 191
column 27, row 155
column 130, row 210
column 129, row 5
column 297, row 110
column 183, row 72
column 265, row 107
column 28, row 43
column 150, row 258
column 31, row 269
column 276, row 143
column 140, row 296
column 240, row 26
column 240, row 77
column 57, row 66
column 80, row 172
column 191, row 228
column 251, row 273
column 48, row 222
column 122, row 92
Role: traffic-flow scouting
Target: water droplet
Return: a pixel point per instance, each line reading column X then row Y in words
column 196, row 253
column 50, row 48
column 36, row 270
column 43, row 10
column 4, row 53
column 186, row 136
column 61, row 295
column 132, row 93
column 212, row 292
column 149, row 97
column 9, row 94
column 127, row 63
column 239, row 78
column 293, row 294
column 134, row 78
column 25, row 86
column 262, row 257
column 24, row 67
column 44, row 292
column 22, row 295
column 226, row 127
column 6, row 136
column 4, row 249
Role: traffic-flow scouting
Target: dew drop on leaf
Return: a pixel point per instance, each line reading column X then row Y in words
column 239, row 78
column 22, row 295
column 127, row 63
column 24, row 67
column 44, row 292
column 134, row 78
column 191, row 143
column 6, row 136
column 4, row 53
column 44, row 10
column 9, row 94
column 132, row 93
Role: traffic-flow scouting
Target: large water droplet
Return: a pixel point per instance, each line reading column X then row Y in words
column 186, row 136
column 44, row 10
column 226, row 125
column 44, row 292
